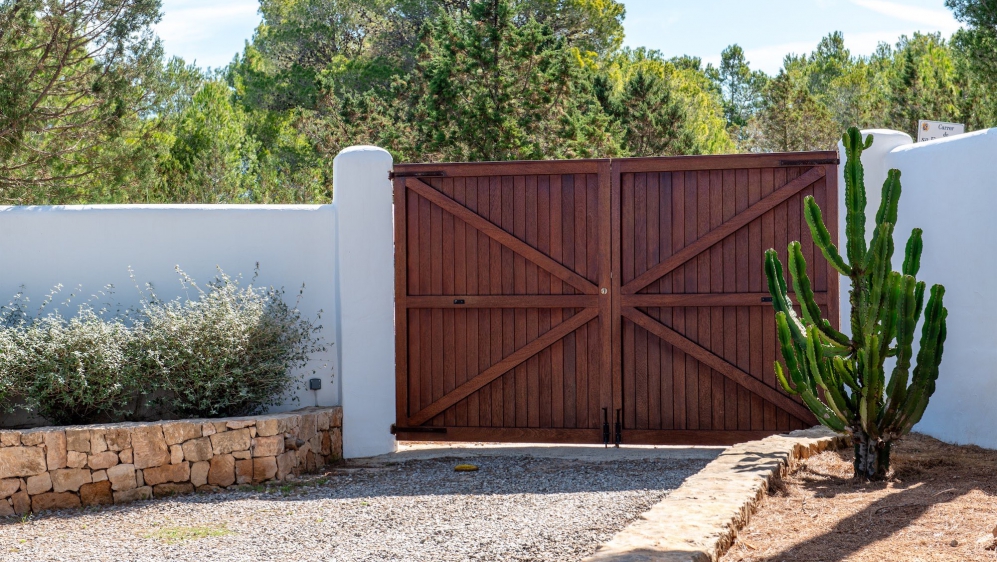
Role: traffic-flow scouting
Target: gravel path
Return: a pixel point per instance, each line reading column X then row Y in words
column 513, row 508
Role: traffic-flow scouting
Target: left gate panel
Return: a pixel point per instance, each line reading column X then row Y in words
column 498, row 302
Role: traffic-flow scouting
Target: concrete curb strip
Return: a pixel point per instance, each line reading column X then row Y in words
column 699, row 521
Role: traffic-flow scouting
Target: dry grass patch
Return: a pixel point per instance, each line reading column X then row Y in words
column 940, row 505
column 173, row 535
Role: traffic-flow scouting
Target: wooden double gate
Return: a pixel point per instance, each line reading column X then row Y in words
column 589, row 301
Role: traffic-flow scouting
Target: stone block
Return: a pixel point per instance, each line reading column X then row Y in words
column 197, row 450
column 244, row 471
column 21, row 502
column 97, row 442
column 240, row 423
column 326, row 447
column 9, row 486
column 149, row 447
column 21, row 461
column 54, row 500
column 307, row 428
column 98, row 493
column 143, row 493
column 176, row 454
column 126, row 456
column 229, row 441
column 208, row 429
column 265, row 427
column 242, row 455
column 264, row 468
column 199, row 473
column 220, row 426
column 122, row 477
column 285, row 464
column 69, row 479
column 336, row 447
column 139, row 478
column 222, row 470
column 5, row 508
column 268, row 446
column 166, row 473
column 32, row 438
column 180, row 431
column 39, row 484
column 76, row 459
column 78, row 440
column 172, row 489
column 336, row 419
column 102, row 461
column 55, row 449
column 118, row 439
column 99, row 475
column 10, row 438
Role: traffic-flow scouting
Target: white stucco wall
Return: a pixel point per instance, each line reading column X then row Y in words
column 948, row 190
column 85, row 248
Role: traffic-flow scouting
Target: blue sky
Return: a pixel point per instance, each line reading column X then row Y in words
column 212, row 31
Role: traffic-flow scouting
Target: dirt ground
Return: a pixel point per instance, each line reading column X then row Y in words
column 940, row 505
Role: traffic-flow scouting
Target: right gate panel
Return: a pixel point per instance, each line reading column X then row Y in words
column 697, row 333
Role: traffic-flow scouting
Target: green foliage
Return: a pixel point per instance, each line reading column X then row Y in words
column 842, row 379
column 429, row 80
column 230, row 351
column 69, row 371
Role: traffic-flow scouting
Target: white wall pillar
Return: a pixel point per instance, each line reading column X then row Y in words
column 874, row 163
column 363, row 200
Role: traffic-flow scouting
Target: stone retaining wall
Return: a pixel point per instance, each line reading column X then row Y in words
column 65, row 467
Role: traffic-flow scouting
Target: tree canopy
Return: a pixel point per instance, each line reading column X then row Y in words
column 92, row 111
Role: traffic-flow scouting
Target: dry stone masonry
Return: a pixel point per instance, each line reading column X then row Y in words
column 65, row 467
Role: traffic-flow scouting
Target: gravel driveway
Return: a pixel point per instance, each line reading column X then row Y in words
column 513, row 508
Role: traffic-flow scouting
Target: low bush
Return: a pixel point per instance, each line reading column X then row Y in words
column 230, row 351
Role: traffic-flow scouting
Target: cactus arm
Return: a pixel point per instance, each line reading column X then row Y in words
column 896, row 391
column 809, row 306
column 890, row 199
column 781, row 377
column 855, row 199
column 822, row 237
column 912, row 255
column 824, row 376
column 928, row 357
column 878, row 265
column 780, row 297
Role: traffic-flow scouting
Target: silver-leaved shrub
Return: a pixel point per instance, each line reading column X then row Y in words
column 228, row 350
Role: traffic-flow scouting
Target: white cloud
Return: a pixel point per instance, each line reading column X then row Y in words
column 937, row 20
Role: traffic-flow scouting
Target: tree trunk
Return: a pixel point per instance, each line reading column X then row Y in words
column 872, row 456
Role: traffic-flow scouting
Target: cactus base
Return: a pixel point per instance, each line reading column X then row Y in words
column 872, row 456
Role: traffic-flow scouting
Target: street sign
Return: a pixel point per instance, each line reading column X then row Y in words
column 931, row 130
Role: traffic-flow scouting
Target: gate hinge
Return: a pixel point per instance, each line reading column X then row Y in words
column 392, row 175
column 395, row 430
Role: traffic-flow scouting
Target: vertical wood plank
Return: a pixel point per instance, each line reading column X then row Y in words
column 653, row 213
column 532, row 314
column 627, row 257
column 543, row 288
column 568, row 259
column 693, row 213
column 666, row 353
column 680, row 384
column 556, row 315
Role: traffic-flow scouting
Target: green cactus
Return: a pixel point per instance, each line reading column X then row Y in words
column 842, row 379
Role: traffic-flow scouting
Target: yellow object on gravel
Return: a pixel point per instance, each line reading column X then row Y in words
column 465, row 468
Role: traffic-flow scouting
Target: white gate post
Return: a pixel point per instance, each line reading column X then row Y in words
column 363, row 199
